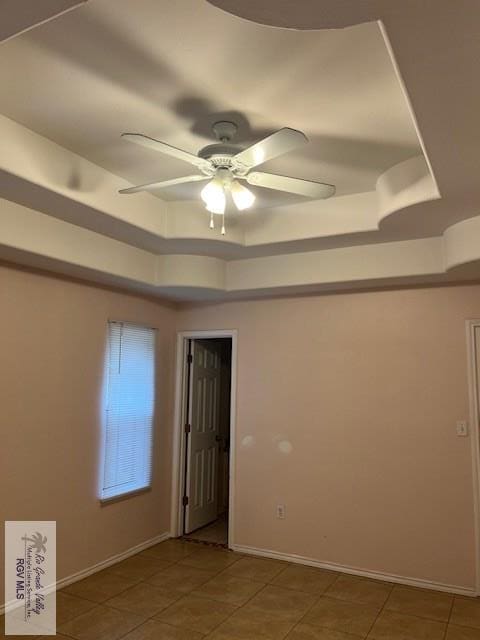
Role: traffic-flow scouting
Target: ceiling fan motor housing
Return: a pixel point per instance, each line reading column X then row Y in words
column 222, row 156
column 221, row 153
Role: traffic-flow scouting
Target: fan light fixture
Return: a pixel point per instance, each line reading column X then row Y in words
column 242, row 197
column 224, row 163
column 213, row 195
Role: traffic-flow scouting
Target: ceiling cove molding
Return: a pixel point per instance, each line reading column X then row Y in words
column 39, row 174
column 190, row 271
column 462, row 243
column 53, row 169
column 36, row 239
column 406, row 184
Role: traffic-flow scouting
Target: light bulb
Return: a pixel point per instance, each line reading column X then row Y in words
column 242, row 197
column 214, row 196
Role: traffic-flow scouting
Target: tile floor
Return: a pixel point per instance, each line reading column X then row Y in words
column 179, row 590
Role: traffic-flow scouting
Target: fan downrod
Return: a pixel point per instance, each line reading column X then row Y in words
column 224, row 130
column 221, row 152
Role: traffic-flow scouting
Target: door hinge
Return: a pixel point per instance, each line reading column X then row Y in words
column 189, row 358
column 188, row 428
column 185, row 501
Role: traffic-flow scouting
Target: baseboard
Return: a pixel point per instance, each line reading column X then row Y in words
column 64, row 582
column 373, row 575
column 75, row 577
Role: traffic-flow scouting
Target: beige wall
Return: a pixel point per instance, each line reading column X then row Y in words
column 52, row 345
column 346, row 413
column 362, row 392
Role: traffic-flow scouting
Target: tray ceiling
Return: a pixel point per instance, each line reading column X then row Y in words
column 72, row 85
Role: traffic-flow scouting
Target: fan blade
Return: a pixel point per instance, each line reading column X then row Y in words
column 167, row 149
column 270, row 147
column 162, row 185
column 307, row 188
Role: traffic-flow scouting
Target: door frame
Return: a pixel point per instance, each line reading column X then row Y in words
column 474, row 431
column 179, row 435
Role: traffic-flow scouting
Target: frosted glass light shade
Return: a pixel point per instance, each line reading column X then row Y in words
column 213, row 195
column 242, row 197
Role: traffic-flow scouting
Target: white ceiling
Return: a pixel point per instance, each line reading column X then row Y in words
column 170, row 69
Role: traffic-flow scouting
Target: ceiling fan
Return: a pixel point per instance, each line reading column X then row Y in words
column 223, row 164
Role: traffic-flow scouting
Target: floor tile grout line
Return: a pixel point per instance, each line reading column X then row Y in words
column 264, row 585
column 317, row 600
column 130, row 630
column 77, row 615
column 139, row 581
column 119, row 637
column 452, row 604
column 148, row 618
column 96, row 603
column 262, row 588
column 101, row 604
column 110, row 606
column 382, row 608
column 446, row 621
column 236, row 610
column 412, row 615
column 325, row 594
column 189, row 593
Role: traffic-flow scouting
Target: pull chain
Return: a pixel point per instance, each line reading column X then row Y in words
column 211, row 225
column 223, row 224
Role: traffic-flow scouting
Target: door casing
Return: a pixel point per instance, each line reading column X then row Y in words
column 179, row 436
column 473, row 353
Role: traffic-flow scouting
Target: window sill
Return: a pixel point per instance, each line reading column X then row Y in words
column 124, row 496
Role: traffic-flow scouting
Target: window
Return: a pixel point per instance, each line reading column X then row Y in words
column 130, row 399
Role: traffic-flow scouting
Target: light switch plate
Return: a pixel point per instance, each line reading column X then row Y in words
column 281, row 511
column 462, row 428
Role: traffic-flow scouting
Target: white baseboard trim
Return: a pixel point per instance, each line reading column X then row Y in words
column 112, row 560
column 373, row 575
column 84, row 573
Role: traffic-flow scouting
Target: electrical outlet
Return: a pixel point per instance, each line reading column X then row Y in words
column 281, row 511
column 462, row 428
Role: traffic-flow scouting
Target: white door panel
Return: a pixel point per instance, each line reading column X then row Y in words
column 202, row 451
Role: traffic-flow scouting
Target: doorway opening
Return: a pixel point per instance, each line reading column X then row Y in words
column 205, row 451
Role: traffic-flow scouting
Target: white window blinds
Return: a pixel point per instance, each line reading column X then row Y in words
column 130, row 399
